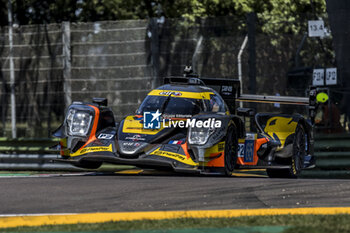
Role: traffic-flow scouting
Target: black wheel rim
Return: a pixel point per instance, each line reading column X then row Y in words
column 229, row 153
column 299, row 149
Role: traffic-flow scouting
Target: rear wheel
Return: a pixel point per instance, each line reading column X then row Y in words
column 231, row 145
column 296, row 161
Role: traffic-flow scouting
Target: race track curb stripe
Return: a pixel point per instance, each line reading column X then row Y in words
column 57, row 219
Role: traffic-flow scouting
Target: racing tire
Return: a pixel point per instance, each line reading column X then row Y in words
column 297, row 159
column 230, row 153
column 88, row 164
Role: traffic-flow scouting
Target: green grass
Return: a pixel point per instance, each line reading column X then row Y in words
column 295, row 223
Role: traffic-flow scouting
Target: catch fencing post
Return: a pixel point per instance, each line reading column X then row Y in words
column 154, row 37
column 12, row 74
column 195, row 55
column 252, row 53
column 66, row 63
column 251, row 19
column 239, row 59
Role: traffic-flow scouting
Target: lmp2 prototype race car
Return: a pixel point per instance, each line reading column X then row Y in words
column 188, row 125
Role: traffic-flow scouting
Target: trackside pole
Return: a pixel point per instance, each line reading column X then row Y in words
column 239, row 59
column 66, row 63
column 12, row 74
column 153, row 35
column 195, row 55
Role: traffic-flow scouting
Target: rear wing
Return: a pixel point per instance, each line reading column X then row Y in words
column 229, row 90
column 309, row 102
column 294, row 100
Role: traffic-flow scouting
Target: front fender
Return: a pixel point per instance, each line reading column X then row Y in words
column 60, row 132
column 240, row 126
column 218, row 134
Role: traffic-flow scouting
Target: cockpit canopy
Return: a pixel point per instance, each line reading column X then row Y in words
column 175, row 102
column 172, row 106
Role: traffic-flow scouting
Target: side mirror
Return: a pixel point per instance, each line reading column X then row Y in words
column 246, row 112
column 100, row 101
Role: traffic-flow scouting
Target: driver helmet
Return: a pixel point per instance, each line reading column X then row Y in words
column 322, row 97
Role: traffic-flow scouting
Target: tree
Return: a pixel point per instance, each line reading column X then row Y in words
column 55, row 11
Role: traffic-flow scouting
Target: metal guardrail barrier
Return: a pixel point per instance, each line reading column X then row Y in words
column 332, row 153
column 27, row 146
column 49, row 166
column 30, row 154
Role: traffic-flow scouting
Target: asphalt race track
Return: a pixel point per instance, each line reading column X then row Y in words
column 132, row 192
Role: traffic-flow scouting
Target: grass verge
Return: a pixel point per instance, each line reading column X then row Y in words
column 294, row 224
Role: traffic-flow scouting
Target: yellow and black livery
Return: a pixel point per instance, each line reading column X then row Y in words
column 89, row 135
column 187, row 125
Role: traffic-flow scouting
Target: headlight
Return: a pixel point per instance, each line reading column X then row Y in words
column 199, row 136
column 78, row 122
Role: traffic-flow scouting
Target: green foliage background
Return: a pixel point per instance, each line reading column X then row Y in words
column 280, row 27
column 55, row 11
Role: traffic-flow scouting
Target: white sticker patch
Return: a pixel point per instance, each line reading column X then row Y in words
column 241, row 150
column 250, row 136
column 105, row 136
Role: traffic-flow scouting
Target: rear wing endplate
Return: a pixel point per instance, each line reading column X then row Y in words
column 228, row 89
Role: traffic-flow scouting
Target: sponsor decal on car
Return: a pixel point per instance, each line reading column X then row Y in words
column 182, row 94
column 105, row 136
column 135, row 144
column 135, row 138
column 175, row 156
column 226, row 90
column 176, row 142
column 92, row 149
column 173, row 93
column 221, row 146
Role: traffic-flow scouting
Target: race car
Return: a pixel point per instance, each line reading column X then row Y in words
column 188, row 125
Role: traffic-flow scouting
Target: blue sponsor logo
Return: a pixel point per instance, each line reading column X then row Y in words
column 249, row 151
column 151, row 120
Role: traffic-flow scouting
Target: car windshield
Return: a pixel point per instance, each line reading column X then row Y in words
column 174, row 106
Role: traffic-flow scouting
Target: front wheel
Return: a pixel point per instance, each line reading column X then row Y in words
column 231, row 145
column 296, row 161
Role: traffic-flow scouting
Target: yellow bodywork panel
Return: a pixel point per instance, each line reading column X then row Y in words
column 179, row 157
column 64, row 150
column 213, row 156
column 281, row 127
column 182, row 94
column 135, row 126
column 210, row 152
column 92, row 149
